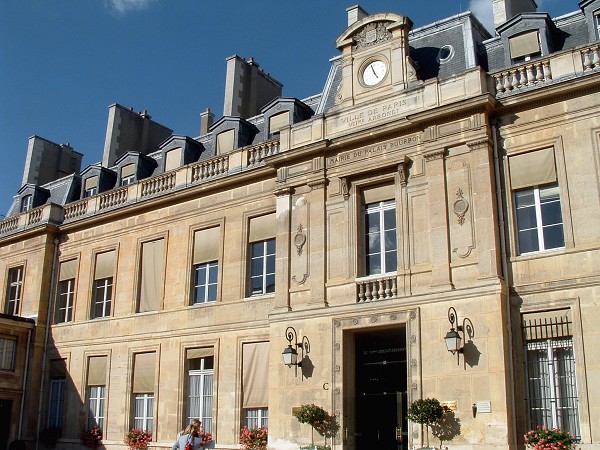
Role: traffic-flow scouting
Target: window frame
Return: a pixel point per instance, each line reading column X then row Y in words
column 18, row 285
column 145, row 416
column 106, row 299
column 260, row 421
column 207, row 377
column 539, row 218
column 26, row 203
column 266, row 257
column 8, row 355
column 56, row 402
column 96, row 395
column 211, row 267
column 67, row 306
column 379, row 207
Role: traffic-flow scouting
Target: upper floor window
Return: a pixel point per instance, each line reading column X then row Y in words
column 14, row 290
column 127, row 174
column 207, row 245
column 225, row 141
column 66, row 291
column 8, row 348
column 262, row 254
column 597, row 23
column 538, row 212
column 103, row 285
column 151, row 276
column 380, row 241
column 524, row 47
column 173, row 159
column 26, row 203
column 56, row 401
column 277, row 122
column 90, row 186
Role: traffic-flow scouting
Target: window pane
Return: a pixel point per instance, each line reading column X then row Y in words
column 200, row 293
column 270, row 287
column 391, row 264
column 271, row 246
column 257, row 267
column 373, row 264
column 200, row 274
column 551, row 213
column 390, row 240
column 524, row 198
column 256, row 285
column 213, row 273
column 212, row 293
column 526, row 218
column 389, row 219
column 554, row 237
column 257, row 249
column 528, row 241
column 271, row 264
column 372, row 222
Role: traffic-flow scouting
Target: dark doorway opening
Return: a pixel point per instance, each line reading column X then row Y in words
column 5, row 411
column 381, row 374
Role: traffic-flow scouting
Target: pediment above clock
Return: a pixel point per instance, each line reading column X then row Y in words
column 373, row 30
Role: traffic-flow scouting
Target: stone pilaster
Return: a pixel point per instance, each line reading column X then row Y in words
column 283, row 249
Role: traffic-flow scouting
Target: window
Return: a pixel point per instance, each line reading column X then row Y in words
column 143, row 391
column 262, row 254
column 552, row 399
column 225, row 141
column 539, row 219
column 56, row 401
column 26, row 203
column 207, row 246
column 151, row 276
column 277, row 122
column 200, row 386
column 524, row 47
column 96, row 389
column 536, row 194
column 56, row 404
column 380, row 242
column 90, row 186
column 255, row 384
column 15, row 288
column 597, row 23
column 66, row 291
column 8, row 347
column 173, row 159
column 127, row 174
column 102, row 297
column 262, row 277
column 103, row 285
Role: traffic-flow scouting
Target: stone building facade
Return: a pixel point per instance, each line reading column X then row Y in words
column 443, row 180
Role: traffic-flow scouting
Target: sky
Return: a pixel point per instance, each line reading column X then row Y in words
column 63, row 62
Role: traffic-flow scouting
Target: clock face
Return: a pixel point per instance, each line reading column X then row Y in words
column 374, row 73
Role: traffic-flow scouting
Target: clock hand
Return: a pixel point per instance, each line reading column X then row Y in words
column 373, row 69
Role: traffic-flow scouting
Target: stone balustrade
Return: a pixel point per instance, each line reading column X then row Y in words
column 564, row 65
column 373, row 289
column 162, row 184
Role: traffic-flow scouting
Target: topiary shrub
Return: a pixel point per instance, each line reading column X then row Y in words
column 426, row 412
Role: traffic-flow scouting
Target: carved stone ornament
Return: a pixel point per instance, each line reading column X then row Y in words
column 300, row 239
column 460, row 207
column 372, row 34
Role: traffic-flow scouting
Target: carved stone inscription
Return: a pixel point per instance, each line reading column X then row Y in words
column 373, row 150
column 375, row 113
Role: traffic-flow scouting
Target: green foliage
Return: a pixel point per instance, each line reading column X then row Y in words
column 320, row 420
column 544, row 438
column 426, row 411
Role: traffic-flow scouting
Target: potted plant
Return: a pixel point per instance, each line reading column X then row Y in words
column 426, row 412
column 544, row 438
column 138, row 439
column 319, row 420
column 92, row 438
column 254, row 438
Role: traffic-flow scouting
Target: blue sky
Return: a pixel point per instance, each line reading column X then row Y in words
column 63, row 62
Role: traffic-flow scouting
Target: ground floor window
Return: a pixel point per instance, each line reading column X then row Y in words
column 256, row 417
column 143, row 417
column 552, row 399
column 96, row 406
column 57, row 403
column 200, row 390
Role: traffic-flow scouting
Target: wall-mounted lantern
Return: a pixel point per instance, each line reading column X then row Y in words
column 455, row 337
column 290, row 354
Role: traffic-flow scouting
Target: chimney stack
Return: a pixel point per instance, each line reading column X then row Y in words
column 355, row 13
column 504, row 10
column 206, row 120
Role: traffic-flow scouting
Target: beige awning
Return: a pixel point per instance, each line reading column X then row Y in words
column 143, row 373
column 207, row 245
column 263, row 228
column 255, row 375
column 532, row 169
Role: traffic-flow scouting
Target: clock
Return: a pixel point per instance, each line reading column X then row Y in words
column 374, row 73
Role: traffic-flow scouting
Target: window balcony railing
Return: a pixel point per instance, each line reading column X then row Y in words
column 539, row 72
column 372, row 289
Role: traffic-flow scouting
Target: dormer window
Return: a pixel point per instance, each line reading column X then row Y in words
column 524, row 47
column 597, row 23
column 277, row 122
column 127, row 174
column 172, row 159
column 225, row 141
column 26, row 203
column 91, row 186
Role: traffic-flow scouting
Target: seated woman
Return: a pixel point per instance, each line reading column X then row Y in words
column 189, row 435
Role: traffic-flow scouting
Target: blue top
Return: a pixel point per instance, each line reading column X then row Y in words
column 195, row 442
